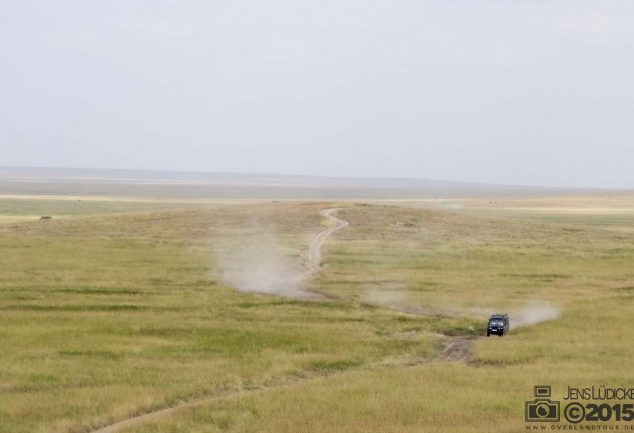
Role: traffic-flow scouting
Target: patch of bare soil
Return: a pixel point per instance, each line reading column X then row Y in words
column 457, row 349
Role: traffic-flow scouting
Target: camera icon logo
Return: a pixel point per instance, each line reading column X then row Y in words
column 542, row 408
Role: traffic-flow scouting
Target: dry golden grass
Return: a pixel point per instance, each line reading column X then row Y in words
column 105, row 316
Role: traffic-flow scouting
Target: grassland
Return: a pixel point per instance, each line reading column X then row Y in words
column 111, row 311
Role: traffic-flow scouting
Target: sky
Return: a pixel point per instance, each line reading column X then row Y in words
column 534, row 92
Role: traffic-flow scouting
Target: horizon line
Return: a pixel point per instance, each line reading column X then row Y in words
column 324, row 177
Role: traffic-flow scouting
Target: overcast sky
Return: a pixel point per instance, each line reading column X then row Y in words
column 517, row 92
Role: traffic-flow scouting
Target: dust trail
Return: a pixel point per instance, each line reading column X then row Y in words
column 531, row 314
column 263, row 265
column 534, row 313
column 260, row 266
column 396, row 298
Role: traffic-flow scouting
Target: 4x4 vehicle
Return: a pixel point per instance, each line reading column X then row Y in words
column 498, row 324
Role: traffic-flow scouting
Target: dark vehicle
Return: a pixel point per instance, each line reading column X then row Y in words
column 498, row 324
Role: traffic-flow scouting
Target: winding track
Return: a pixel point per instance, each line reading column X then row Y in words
column 151, row 416
column 456, row 349
column 314, row 263
column 314, row 252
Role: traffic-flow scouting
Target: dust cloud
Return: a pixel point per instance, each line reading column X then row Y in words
column 260, row 263
column 395, row 298
column 531, row 313
column 534, row 313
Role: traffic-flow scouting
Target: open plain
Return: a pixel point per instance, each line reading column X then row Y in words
column 157, row 314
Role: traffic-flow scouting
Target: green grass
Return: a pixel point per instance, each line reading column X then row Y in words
column 104, row 316
column 29, row 208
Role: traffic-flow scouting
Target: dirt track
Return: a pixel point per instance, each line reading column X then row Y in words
column 314, row 263
column 151, row 416
column 456, row 349
column 314, row 253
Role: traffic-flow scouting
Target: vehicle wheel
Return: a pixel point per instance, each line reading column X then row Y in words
column 488, row 334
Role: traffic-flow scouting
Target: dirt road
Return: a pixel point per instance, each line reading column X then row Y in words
column 314, row 263
column 151, row 416
column 456, row 349
column 314, row 253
